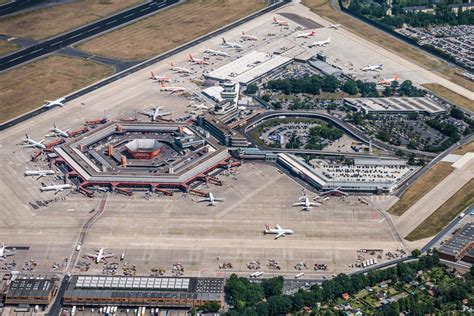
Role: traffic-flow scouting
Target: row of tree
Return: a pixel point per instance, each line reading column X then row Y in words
column 315, row 84
column 443, row 14
column 267, row 298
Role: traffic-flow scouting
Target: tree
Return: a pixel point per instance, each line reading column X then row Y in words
column 416, row 253
column 273, row 286
column 252, row 88
column 266, row 97
column 456, row 113
column 350, row 86
column 242, row 293
column 279, row 304
column 210, row 307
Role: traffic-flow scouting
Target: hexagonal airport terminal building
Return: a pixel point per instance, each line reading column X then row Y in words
column 139, row 155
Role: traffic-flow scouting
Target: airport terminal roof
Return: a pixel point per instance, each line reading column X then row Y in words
column 396, row 105
column 457, row 244
column 249, row 67
column 30, row 287
column 325, row 68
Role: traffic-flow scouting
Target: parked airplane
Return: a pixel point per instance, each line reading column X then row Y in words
column 280, row 22
column 100, row 255
column 58, row 132
column 58, row 102
column 388, row 81
column 4, row 252
column 230, row 44
column 159, row 78
column 198, row 61
column 171, row 89
column 201, row 106
column 321, row 43
column 155, row 113
column 306, row 35
column 372, row 67
column 32, row 143
column 39, row 173
column 57, row 188
column 213, row 52
column 211, row 199
column 248, row 37
column 306, row 204
column 334, row 26
column 180, row 69
column 280, row 232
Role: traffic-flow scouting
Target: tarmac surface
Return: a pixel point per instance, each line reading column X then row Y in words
column 161, row 231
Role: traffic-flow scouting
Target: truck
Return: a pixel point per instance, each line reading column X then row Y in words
column 299, row 275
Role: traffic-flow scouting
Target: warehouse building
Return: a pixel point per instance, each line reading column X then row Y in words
column 460, row 246
column 144, row 291
column 396, row 105
column 30, row 291
column 249, row 68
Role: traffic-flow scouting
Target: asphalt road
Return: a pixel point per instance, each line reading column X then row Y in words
column 348, row 128
column 58, row 42
column 55, row 308
column 438, row 158
column 15, row 6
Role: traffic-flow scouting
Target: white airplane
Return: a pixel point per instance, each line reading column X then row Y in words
column 372, row 67
column 247, row 37
column 213, row 52
column 306, row 204
column 306, row 35
column 280, row 232
column 159, row 78
column 211, row 199
column 4, row 253
column 155, row 113
column 39, row 173
column 321, row 43
column 32, row 143
column 230, row 44
column 100, row 255
column 58, row 102
column 198, row 61
column 180, row 69
column 57, row 188
column 58, row 132
column 171, row 89
column 280, row 22
column 201, row 106
column 334, row 26
column 388, row 81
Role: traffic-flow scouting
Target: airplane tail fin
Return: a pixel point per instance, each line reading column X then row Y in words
column 329, row 38
column 152, row 75
column 172, row 65
column 312, row 33
column 27, row 137
column 243, row 33
column 381, row 65
column 396, row 77
column 191, row 57
column 223, row 41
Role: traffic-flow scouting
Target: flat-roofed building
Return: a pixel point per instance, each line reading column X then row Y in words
column 143, row 291
column 32, row 291
column 460, row 246
column 396, row 105
column 249, row 67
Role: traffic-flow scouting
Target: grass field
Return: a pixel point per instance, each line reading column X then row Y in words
column 170, row 28
column 445, row 213
column 7, row 47
column 451, row 95
column 461, row 150
column 420, row 187
column 324, row 9
column 27, row 87
column 46, row 22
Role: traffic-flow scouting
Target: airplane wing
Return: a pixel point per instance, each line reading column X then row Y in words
column 148, row 113
column 164, row 113
column 108, row 255
column 219, row 199
column 298, row 204
column 278, row 227
column 91, row 255
column 280, row 235
column 202, row 200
